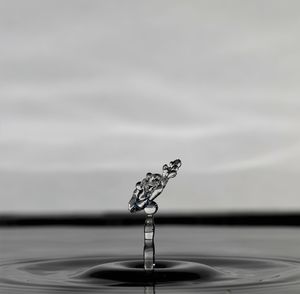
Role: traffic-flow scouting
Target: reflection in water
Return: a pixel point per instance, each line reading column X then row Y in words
column 149, row 289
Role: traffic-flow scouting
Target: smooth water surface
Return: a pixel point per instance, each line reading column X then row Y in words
column 189, row 260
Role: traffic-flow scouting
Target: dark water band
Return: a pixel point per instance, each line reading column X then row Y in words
column 118, row 219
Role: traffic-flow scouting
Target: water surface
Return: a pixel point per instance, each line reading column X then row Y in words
column 189, row 260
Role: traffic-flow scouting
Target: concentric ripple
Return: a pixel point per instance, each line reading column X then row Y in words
column 172, row 272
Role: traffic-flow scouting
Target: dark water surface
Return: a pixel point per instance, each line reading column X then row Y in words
column 190, row 259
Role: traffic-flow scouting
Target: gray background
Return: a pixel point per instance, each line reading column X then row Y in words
column 93, row 94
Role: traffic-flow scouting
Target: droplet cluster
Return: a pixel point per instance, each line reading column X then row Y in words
column 151, row 186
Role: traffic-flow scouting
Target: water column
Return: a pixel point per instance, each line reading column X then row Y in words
column 143, row 197
column 149, row 231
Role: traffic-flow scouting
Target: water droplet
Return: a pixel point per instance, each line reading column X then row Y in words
column 151, row 208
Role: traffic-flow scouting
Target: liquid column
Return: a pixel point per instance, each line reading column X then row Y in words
column 149, row 230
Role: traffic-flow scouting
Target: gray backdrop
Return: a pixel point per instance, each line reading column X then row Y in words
column 93, row 94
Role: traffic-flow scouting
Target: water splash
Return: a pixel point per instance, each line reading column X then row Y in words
column 143, row 199
column 152, row 186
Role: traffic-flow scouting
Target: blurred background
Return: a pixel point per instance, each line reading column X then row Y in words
column 94, row 94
